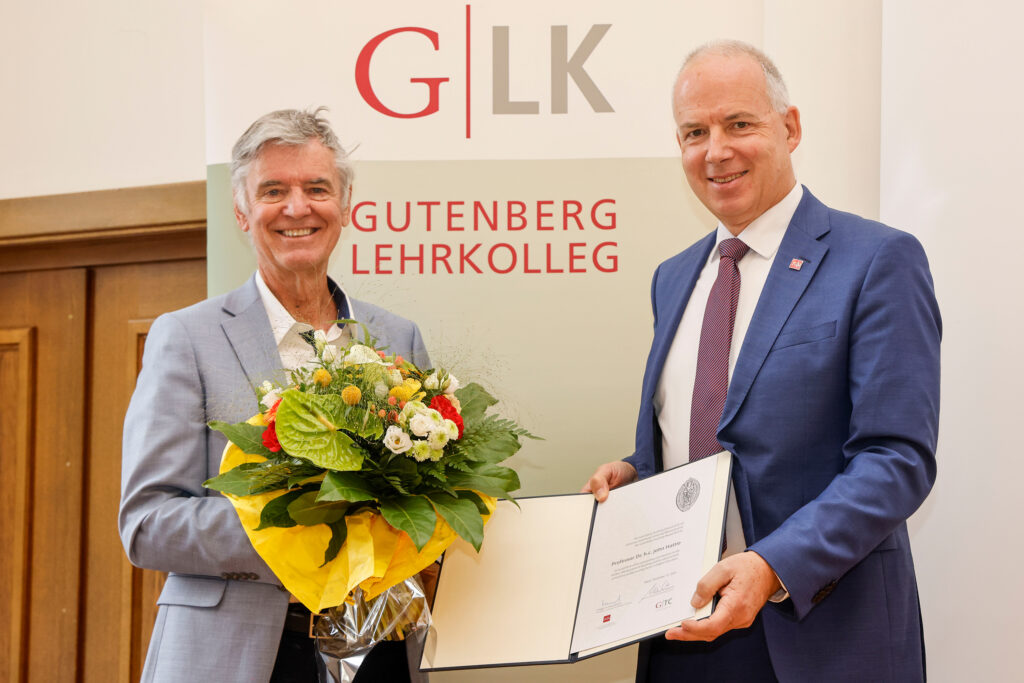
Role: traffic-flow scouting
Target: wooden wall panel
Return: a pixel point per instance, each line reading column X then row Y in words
column 17, row 409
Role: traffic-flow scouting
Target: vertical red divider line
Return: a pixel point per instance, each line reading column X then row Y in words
column 468, row 85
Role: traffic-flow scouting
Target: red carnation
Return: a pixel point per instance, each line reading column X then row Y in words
column 442, row 405
column 270, row 438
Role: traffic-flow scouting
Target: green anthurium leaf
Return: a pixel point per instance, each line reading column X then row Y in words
column 275, row 513
column 307, row 427
column 494, row 480
column 244, row 435
column 260, row 477
column 348, row 486
column 462, row 516
column 308, row 511
column 339, row 532
column 475, row 400
column 412, row 514
column 481, row 507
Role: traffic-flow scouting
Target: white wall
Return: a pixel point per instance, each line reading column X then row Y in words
column 951, row 173
column 98, row 95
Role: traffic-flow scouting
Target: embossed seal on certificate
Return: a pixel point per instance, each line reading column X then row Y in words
column 688, row 494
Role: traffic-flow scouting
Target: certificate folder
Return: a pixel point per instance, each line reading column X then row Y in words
column 562, row 578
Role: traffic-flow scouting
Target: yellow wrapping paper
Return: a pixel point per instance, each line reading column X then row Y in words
column 374, row 557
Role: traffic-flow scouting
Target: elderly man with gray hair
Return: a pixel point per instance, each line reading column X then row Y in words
column 223, row 615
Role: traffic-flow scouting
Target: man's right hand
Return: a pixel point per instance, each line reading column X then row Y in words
column 609, row 476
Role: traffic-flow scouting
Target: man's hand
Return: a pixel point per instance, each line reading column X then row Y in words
column 745, row 582
column 609, row 476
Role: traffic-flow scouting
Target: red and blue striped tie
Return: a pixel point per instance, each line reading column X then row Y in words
column 712, row 381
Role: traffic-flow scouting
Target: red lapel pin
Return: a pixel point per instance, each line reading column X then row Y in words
column 796, row 264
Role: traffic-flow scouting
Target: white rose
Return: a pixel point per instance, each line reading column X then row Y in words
column 453, row 384
column 431, row 383
column 396, row 440
column 452, row 429
column 331, row 354
column 420, row 424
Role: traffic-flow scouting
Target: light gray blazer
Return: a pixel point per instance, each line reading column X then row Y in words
column 222, row 609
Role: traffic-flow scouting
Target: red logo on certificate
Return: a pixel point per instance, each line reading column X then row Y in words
column 796, row 264
column 606, row 619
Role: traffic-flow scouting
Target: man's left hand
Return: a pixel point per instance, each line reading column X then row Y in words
column 745, row 582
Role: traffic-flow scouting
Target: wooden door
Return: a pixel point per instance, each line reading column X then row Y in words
column 42, row 386
column 120, row 600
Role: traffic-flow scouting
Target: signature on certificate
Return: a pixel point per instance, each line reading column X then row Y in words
column 658, row 587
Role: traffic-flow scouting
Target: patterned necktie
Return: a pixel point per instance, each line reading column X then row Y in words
column 712, row 381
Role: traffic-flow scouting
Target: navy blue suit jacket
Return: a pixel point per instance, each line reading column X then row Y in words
column 832, row 414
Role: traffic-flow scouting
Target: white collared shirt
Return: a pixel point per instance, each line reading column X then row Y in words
column 674, row 393
column 293, row 349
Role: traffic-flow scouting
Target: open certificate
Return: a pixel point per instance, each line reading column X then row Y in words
column 562, row 578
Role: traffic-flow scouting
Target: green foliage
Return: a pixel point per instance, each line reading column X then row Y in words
column 475, row 499
column 491, row 440
column 275, row 513
column 493, row 480
column 475, row 400
column 244, row 435
column 308, row 511
column 347, row 486
column 462, row 516
column 412, row 514
column 259, row 477
column 339, row 532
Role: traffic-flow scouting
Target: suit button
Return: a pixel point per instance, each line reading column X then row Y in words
column 225, row 575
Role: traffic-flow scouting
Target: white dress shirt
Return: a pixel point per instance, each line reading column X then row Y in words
column 674, row 393
column 294, row 350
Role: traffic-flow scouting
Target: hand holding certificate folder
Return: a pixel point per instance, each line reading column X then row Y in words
column 562, row 577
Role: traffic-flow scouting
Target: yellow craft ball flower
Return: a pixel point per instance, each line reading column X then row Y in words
column 322, row 377
column 351, row 395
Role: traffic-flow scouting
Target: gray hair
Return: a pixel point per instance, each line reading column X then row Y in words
column 778, row 95
column 286, row 127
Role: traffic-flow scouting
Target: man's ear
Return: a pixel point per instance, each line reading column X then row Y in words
column 241, row 218
column 794, row 132
column 346, row 213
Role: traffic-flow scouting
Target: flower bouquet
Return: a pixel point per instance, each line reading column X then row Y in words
column 357, row 475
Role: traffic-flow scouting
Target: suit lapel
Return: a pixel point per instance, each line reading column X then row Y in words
column 782, row 290
column 671, row 304
column 248, row 331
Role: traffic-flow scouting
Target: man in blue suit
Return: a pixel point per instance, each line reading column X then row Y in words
column 831, row 406
column 224, row 616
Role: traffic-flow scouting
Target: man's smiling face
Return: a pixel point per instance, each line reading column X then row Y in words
column 295, row 213
column 736, row 147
